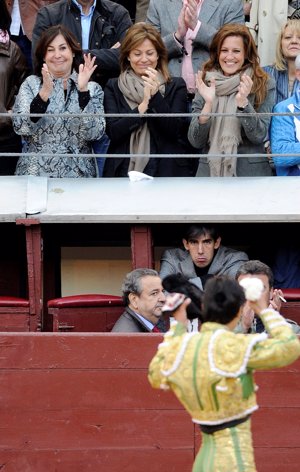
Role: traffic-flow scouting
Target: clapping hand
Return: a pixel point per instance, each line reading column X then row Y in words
column 244, row 90
column 247, row 317
column 247, row 8
column 182, row 26
column 208, row 92
column 151, row 86
column 151, row 82
column 187, row 18
column 47, row 84
column 85, row 72
column 190, row 16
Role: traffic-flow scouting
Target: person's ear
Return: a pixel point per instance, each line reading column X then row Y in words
column 217, row 243
column 185, row 244
column 132, row 297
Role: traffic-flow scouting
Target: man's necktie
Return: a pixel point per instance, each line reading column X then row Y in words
column 155, row 329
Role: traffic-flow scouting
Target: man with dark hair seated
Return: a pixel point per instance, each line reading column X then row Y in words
column 250, row 323
column 144, row 298
column 203, row 256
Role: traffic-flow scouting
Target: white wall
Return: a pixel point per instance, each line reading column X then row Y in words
column 94, row 270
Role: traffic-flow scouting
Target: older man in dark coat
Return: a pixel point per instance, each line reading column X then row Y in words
column 144, row 298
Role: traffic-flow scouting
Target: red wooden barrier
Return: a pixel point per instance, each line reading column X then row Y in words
column 141, row 247
column 291, row 309
column 82, row 402
column 24, row 314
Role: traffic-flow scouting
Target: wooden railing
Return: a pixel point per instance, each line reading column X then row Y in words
column 82, row 402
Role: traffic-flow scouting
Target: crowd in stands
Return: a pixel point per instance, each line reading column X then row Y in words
column 191, row 57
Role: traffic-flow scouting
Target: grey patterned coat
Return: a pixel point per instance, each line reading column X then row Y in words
column 59, row 135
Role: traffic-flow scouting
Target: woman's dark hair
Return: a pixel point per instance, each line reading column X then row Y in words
column 135, row 36
column 223, row 297
column 5, row 18
column 259, row 76
column 47, row 37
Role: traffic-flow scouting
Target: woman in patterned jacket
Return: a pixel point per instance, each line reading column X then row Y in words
column 211, row 372
column 61, row 92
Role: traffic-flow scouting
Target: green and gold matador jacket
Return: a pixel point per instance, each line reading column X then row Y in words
column 211, row 372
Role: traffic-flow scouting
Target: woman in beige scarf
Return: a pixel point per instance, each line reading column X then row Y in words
column 143, row 87
column 232, row 83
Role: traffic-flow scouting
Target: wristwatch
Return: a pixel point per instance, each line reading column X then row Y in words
column 243, row 108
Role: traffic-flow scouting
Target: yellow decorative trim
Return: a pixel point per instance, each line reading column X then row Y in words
column 278, row 323
column 179, row 357
column 252, row 341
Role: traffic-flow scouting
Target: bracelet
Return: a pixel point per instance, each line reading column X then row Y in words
column 183, row 50
column 176, row 39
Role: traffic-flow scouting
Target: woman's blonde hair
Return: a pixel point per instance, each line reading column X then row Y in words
column 259, row 77
column 280, row 61
column 136, row 35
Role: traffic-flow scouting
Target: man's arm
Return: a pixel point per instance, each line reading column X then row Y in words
column 198, row 132
column 107, row 59
column 281, row 348
column 141, row 10
column 154, row 18
column 233, row 13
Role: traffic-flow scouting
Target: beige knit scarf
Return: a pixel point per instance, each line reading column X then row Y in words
column 132, row 87
column 225, row 131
